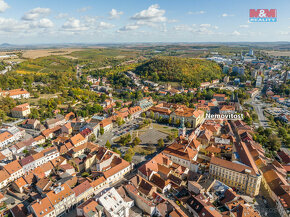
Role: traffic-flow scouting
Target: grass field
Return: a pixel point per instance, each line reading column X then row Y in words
column 144, row 150
column 35, row 101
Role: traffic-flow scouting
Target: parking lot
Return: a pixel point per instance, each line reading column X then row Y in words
column 119, row 131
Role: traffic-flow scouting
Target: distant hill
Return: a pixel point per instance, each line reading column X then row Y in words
column 191, row 72
column 6, row 45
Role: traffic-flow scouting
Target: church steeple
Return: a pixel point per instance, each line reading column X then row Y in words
column 182, row 129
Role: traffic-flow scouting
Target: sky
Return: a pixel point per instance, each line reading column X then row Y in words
column 130, row 21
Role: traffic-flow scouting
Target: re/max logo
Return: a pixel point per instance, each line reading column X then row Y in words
column 263, row 15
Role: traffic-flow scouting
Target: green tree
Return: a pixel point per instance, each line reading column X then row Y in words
column 274, row 142
column 188, row 125
column 85, row 174
column 129, row 155
column 160, row 143
column 136, row 141
column 3, row 115
column 108, row 145
column 92, row 138
column 169, row 137
column 102, row 131
column 116, row 150
column 177, row 122
column 151, row 114
column 34, row 114
column 175, row 135
column 120, row 121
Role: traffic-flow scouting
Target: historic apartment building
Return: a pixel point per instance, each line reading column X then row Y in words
column 235, row 175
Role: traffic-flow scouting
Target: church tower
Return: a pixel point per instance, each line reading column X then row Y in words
column 182, row 129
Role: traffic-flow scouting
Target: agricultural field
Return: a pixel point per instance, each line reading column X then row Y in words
column 33, row 54
column 104, row 53
column 45, row 65
column 278, row 53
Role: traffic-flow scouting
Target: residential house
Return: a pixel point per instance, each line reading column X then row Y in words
column 33, row 124
column 227, row 109
column 198, row 206
column 16, row 94
column 27, row 163
column 43, row 208
column 90, row 208
column 135, row 111
column 78, row 140
column 19, row 184
column 114, row 205
column 117, row 169
column 181, row 154
column 106, row 124
column 83, row 192
column 220, row 97
column 4, row 178
column 98, row 184
column 57, row 121
column 67, row 128
column 62, row 198
column 14, row 169
column 21, row 111
column 6, row 138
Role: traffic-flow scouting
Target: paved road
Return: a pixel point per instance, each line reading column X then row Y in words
column 258, row 106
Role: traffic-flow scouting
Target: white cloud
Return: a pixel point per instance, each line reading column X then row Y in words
column 284, row 33
column 114, row 14
column 36, row 13
column 227, row 15
column 151, row 15
column 244, row 26
column 12, row 25
column 205, row 25
column 128, row 27
column 104, row 25
column 90, row 20
column 45, row 23
column 84, row 9
column 236, row 33
column 73, row 24
column 172, row 21
column 202, row 29
column 196, row 12
column 61, row 15
column 183, row 28
column 3, row 6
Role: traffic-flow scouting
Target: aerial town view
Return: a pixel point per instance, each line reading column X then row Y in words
column 144, row 108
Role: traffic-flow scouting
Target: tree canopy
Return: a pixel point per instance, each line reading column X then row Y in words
column 191, row 72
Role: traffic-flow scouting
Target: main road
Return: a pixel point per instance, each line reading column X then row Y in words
column 259, row 107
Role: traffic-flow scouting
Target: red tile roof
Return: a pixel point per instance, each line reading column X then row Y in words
column 231, row 165
column 81, row 188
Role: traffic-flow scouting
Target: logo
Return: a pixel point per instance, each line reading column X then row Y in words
column 224, row 116
column 263, row 15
